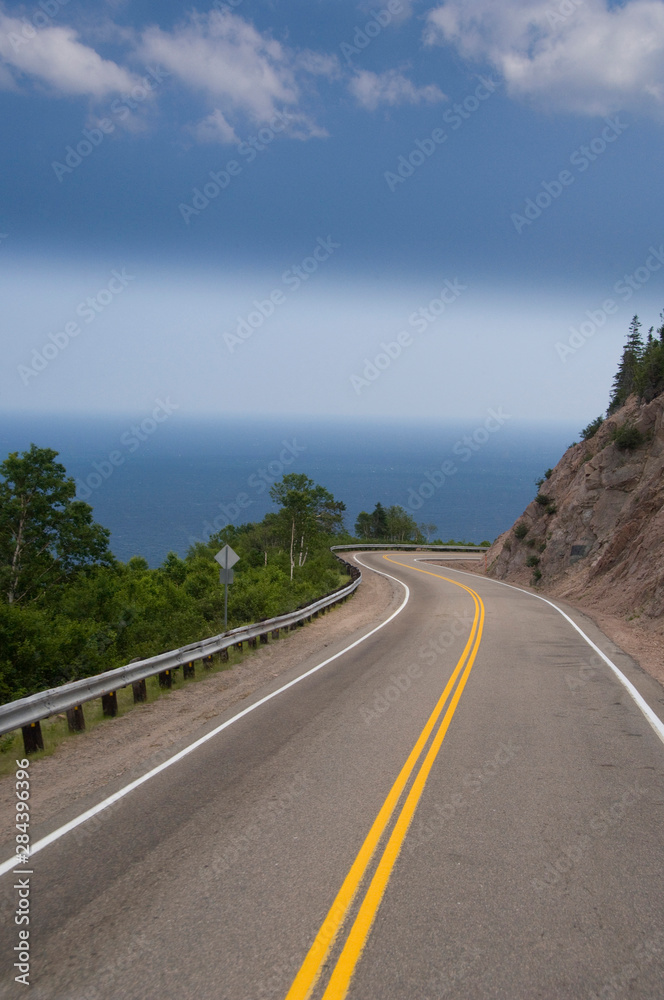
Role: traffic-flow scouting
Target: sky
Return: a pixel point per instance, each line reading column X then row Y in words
column 328, row 208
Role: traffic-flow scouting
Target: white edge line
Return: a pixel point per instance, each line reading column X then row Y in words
column 72, row 824
column 651, row 716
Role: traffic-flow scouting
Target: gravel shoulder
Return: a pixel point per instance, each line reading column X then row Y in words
column 114, row 751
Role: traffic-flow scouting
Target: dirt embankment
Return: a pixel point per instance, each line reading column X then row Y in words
column 596, row 538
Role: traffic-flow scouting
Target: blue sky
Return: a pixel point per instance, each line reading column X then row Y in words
column 405, row 209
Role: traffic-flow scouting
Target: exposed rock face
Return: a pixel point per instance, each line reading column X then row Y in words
column 600, row 536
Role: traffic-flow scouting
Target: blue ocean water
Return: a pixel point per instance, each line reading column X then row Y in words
column 158, row 486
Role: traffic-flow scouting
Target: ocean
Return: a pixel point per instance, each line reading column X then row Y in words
column 161, row 483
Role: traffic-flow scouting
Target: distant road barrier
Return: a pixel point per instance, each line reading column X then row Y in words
column 27, row 713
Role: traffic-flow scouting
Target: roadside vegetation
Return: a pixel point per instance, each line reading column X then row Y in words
column 70, row 609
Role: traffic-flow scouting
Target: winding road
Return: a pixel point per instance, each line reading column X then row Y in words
column 466, row 802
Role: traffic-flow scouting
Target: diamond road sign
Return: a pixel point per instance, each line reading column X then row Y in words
column 226, row 557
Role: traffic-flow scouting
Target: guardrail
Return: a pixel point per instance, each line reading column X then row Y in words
column 412, row 546
column 26, row 713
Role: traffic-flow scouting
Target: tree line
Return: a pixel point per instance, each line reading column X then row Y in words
column 69, row 609
column 640, row 373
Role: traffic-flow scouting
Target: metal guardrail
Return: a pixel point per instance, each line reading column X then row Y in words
column 26, row 711
column 410, row 546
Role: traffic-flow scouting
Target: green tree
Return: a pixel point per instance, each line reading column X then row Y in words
column 363, row 525
column 46, row 535
column 401, row 527
column 625, row 381
column 650, row 374
column 307, row 510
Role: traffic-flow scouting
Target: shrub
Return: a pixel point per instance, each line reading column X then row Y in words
column 521, row 530
column 627, row 437
column 548, row 473
column 592, row 428
column 532, row 561
column 537, row 576
column 543, row 499
column 551, row 508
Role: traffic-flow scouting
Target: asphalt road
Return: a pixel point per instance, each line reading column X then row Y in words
column 467, row 804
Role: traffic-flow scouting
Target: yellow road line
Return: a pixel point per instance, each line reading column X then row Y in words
column 312, row 966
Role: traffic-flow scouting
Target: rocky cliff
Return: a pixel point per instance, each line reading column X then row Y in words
column 595, row 533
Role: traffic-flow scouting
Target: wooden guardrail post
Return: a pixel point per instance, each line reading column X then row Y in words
column 140, row 691
column 263, row 637
column 109, row 704
column 208, row 662
column 253, row 642
column 275, row 633
column 166, row 679
column 32, row 737
column 76, row 719
column 189, row 670
column 224, row 656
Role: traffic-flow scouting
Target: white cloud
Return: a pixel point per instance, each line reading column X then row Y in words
column 229, row 60
column 56, row 57
column 391, row 88
column 318, row 64
column 215, row 128
column 580, row 55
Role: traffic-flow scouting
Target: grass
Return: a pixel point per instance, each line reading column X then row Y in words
column 55, row 729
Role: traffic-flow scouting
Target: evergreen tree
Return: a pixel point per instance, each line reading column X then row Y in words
column 626, row 379
column 379, row 522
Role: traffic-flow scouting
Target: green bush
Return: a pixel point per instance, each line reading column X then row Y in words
column 521, row 530
column 532, row 561
column 543, row 499
column 592, row 428
column 627, row 437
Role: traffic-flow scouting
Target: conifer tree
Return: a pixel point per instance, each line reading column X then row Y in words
column 626, row 379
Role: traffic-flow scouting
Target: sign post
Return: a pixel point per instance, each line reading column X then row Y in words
column 226, row 559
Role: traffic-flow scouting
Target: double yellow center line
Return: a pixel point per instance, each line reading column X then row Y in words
column 312, row 967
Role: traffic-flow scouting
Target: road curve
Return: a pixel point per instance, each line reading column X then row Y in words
column 468, row 803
